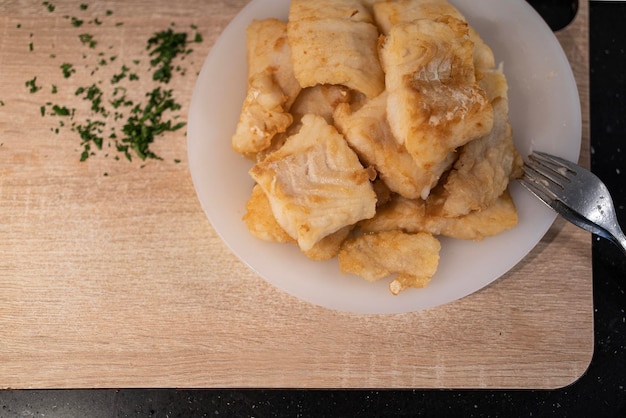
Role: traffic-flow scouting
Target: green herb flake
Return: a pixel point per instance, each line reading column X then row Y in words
column 118, row 77
column 32, row 85
column 109, row 12
column 87, row 39
column 84, row 6
column 76, row 22
column 42, row 110
column 31, row 47
column 61, row 110
column 164, row 46
column 49, row 6
column 145, row 123
column 54, row 90
column 68, row 69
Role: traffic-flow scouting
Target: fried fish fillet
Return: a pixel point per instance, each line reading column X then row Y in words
column 413, row 257
column 329, row 246
column 486, row 165
column 268, row 49
column 272, row 87
column 390, row 13
column 369, row 134
column 354, row 10
column 319, row 100
column 434, row 103
column 315, row 183
column 260, row 220
column 263, row 115
column 335, row 44
column 411, row 215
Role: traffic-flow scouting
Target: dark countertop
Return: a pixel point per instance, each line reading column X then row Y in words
column 601, row 391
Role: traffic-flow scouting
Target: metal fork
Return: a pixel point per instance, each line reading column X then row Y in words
column 576, row 194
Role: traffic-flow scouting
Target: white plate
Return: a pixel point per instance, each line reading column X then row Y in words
column 545, row 115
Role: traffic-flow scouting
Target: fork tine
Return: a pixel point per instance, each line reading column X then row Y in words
column 541, row 192
column 549, row 168
column 552, row 159
column 543, row 184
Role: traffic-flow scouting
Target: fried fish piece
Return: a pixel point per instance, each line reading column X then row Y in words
column 413, row 257
column 263, row 115
column 272, row 87
column 268, row 49
column 411, row 215
column 315, row 183
column 354, row 10
column 329, row 246
column 485, row 166
column 434, row 103
column 330, row 45
column 390, row 13
column 369, row 134
column 321, row 100
column 260, row 220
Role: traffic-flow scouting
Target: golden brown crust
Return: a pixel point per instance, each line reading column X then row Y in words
column 335, row 45
column 414, row 257
column 315, row 183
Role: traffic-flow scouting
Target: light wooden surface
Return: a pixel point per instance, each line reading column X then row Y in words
column 120, row 281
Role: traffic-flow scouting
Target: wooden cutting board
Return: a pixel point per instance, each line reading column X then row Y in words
column 111, row 275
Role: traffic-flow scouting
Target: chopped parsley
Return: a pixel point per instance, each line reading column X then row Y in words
column 49, row 5
column 118, row 77
column 147, row 122
column 118, row 117
column 87, row 39
column 32, row 85
column 76, row 22
column 68, row 69
column 164, row 46
column 61, row 110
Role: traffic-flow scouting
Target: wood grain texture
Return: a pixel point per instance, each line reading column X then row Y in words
column 120, row 281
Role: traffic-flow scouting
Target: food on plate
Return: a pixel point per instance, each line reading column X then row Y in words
column 315, row 183
column 484, row 167
column 260, row 219
column 376, row 127
column 368, row 133
column 413, row 215
column 335, row 42
column 272, row 87
column 434, row 103
column 413, row 257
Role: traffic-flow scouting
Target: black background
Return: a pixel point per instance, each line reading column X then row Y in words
column 600, row 392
